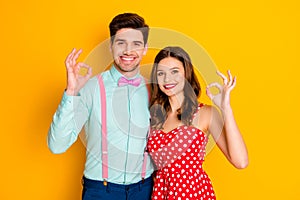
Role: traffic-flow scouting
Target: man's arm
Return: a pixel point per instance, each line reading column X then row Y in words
column 65, row 126
column 72, row 112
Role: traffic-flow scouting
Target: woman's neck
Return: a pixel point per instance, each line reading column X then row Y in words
column 176, row 102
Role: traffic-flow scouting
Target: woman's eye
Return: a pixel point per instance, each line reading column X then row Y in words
column 174, row 71
column 160, row 73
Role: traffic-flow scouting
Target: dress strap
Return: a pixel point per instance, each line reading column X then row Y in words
column 198, row 108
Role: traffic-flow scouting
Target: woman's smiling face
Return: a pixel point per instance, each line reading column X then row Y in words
column 171, row 76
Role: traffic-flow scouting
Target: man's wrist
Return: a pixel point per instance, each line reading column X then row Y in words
column 71, row 92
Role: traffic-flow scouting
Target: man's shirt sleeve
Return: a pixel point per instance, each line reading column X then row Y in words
column 67, row 122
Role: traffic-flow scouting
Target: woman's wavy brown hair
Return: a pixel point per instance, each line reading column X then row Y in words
column 159, row 103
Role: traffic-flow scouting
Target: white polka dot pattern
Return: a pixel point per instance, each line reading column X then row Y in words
column 178, row 156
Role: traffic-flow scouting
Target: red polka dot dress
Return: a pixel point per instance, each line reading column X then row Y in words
column 178, row 156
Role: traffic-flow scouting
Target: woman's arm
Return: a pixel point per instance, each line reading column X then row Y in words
column 223, row 126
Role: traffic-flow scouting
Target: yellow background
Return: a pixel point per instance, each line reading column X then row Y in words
column 258, row 40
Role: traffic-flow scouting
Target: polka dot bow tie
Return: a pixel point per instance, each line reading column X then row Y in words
column 124, row 81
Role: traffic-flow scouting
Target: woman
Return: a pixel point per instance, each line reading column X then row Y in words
column 180, row 127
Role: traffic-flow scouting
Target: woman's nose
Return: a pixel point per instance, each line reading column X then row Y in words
column 167, row 77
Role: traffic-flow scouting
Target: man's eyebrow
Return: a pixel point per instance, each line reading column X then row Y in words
column 123, row 40
column 138, row 41
column 119, row 39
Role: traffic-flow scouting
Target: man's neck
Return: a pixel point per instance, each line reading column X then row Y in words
column 130, row 74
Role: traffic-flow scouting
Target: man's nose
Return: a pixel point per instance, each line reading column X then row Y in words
column 128, row 49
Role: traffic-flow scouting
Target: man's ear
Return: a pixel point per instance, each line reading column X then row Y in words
column 110, row 46
column 145, row 49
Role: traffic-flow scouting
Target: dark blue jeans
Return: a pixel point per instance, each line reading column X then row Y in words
column 95, row 190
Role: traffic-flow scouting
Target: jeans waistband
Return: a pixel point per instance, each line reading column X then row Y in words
column 99, row 184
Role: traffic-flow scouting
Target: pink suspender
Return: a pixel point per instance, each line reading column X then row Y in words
column 104, row 136
column 145, row 151
column 143, row 174
column 104, row 131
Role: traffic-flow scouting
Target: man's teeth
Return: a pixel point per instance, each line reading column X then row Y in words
column 128, row 58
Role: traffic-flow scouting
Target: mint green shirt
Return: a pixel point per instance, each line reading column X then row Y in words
column 127, row 126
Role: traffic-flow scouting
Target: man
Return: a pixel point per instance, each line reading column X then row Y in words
column 115, row 167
